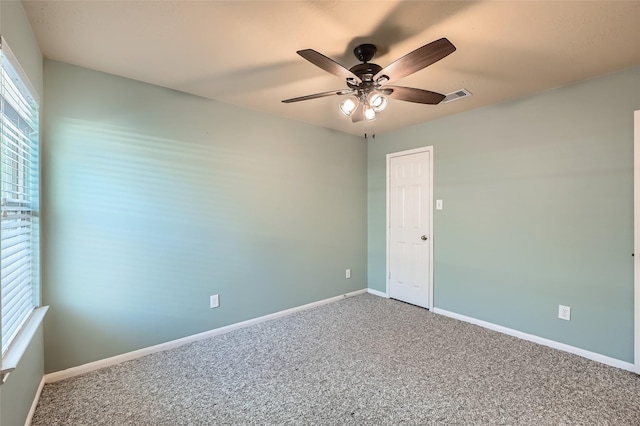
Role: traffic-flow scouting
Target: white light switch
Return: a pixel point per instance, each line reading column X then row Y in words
column 214, row 301
column 438, row 204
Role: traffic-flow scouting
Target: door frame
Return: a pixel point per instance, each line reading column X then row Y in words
column 636, row 238
column 428, row 149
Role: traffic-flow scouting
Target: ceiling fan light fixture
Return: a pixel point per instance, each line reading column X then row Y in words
column 369, row 113
column 349, row 105
column 368, row 93
column 377, row 101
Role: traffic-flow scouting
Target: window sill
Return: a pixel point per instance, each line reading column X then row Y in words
column 20, row 344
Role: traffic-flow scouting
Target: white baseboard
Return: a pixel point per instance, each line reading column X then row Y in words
column 541, row 340
column 34, row 404
column 377, row 293
column 85, row 368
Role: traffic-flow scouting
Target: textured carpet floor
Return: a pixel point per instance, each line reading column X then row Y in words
column 363, row 360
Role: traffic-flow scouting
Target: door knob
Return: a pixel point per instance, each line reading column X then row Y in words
column 423, row 238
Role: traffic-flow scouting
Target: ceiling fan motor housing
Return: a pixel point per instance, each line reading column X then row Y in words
column 365, row 71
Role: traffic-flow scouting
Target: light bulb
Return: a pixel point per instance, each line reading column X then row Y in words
column 377, row 101
column 369, row 114
column 349, row 105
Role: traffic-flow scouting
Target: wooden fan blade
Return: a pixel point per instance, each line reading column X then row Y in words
column 416, row 60
column 411, row 94
column 319, row 95
column 358, row 114
column 327, row 64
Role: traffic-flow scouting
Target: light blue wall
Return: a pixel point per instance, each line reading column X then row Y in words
column 157, row 199
column 538, row 211
column 17, row 394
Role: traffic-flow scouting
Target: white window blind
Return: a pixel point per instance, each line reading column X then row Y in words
column 19, row 181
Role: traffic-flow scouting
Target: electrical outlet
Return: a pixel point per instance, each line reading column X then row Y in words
column 214, row 301
column 347, row 274
column 564, row 312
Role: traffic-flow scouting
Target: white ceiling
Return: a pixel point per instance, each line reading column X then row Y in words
column 243, row 52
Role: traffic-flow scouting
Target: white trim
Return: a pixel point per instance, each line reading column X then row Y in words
column 85, row 368
column 636, row 238
column 21, row 342
column 378, row 293
column 34, row 404
column 391, row 155
column 540, row 340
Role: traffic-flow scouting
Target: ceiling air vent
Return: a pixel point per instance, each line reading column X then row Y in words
column 457, row 95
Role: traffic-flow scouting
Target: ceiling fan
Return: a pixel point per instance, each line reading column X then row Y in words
column 368, row 83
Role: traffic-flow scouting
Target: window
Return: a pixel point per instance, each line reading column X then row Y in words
column 19, row 199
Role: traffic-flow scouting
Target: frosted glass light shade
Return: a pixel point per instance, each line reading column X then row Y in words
column 377, row 101
column 349, row 105
column 369, row 113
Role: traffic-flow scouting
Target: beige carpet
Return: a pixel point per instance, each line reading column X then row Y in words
column 363, row 360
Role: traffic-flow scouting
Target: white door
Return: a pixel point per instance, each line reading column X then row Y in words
column 409, row 243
